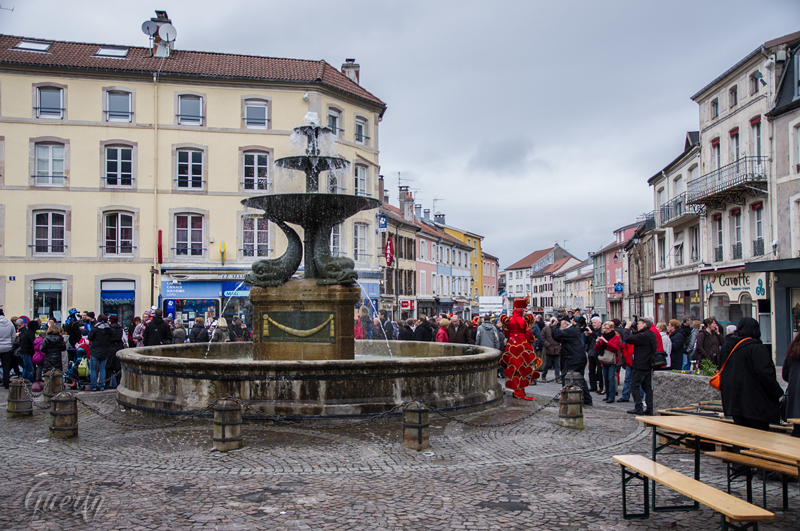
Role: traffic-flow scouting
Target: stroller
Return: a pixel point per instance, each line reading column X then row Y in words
column 77, row 375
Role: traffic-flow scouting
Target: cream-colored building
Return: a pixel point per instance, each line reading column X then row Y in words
column 122, row 174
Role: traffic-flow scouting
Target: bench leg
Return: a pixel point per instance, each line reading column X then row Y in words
column 749, row 485
column 785, row 485
column 764, row 486
column 729, row 525
column 686, row 507
column 626, row 478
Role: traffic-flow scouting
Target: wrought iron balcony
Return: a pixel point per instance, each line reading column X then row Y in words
column 730, row 183
column 675, row 210
column 737, row 251
column 679, row 259
column 758, row 247
column 649, row 221
column 718, row 254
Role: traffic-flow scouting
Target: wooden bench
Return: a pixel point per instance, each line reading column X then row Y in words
column 764, row 462
column 732, row 509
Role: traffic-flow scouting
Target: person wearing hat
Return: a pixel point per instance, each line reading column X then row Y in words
column 519, row 360
column 72, row 326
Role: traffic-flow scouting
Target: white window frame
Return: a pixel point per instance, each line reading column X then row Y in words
column 360, row 180
column 754, row 88
column 190, row 119
column 422, row 249
column 422, row 283
column 734, row 147
column 51, row 177
column 360, row 133
column 256, row 103
column 695, row 234
column 254, row 248
column 796, row 80
column 433, row 283
column 714, row 108
column 121, row 246
column 360, row 241
column 716, row 160
column 258, row 182
column 335, row 121
column 755, row 138
column 336, row 240
column 190, row 181
column 48, row 238
column 758, row 222
column 117, row 116
column 120, row 174
column 733, row 96
column 50, row 113
column 187, row 250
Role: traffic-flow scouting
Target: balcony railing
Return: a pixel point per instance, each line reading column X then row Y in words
column 679, row 259
column 737, row 251
column 649, row 221
column 746, row 170
column 674, row 210
column 718, row 254
column 758, row 247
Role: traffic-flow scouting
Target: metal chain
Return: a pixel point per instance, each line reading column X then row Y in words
column 31, row 398
column 283, row 420
column 146, row 426
column 499, row 425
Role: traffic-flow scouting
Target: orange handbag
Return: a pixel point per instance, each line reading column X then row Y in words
column 716, row 379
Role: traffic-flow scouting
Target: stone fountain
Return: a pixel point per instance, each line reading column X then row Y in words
column 304, row 361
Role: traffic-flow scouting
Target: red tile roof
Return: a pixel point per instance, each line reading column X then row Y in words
column 81, row 56
column 432, row 231
column 529, row 260
column 554, row 267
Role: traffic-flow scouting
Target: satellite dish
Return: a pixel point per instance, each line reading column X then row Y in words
column 167, row 32
column 149, row 27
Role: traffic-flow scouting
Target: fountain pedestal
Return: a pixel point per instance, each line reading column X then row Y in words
column 304, row 321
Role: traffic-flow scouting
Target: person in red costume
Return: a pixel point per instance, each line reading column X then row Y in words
column 519, row 360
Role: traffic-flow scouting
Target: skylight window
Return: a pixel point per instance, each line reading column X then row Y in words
column 108, row 51
column 33, row 46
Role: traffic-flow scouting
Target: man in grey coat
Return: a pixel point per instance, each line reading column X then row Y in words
column 7, row 333
column 486, row 334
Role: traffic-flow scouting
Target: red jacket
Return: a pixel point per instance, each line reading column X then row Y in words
column 441, row 335
column 659, row 343
column 612, row 345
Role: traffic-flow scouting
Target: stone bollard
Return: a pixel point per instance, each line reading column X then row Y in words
column 63, row 416
column 227, row 434
column 19, row 402
column 572, row 378
column 53, row 384
column 416, row 429
column 570, row 407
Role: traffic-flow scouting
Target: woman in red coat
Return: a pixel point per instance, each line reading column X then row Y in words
column 519, row 360
column 441, row 334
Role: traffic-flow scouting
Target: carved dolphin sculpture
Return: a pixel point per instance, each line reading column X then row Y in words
column 275, row 272
column 331, row 270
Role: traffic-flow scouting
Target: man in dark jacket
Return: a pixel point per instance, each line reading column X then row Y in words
column 423, row 331
column 458, row 332
column 72, row 327
column 552, row 352
column 749, row 387
column 709, row 341
column 385, row 330
column 157, row 331
column 406, row 333
column 644, row 346
column 101, row 337
column 573, row 357
column 590, row 335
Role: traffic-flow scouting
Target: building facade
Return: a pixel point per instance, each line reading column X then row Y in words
column 476, row 272
column 125, row 172
column 399, row 283
column 489, row 282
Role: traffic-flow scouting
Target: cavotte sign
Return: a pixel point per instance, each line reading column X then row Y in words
column 734, row 283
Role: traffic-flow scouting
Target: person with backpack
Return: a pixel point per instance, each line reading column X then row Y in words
column 157, row 331
column 101, row 337
column 221, row 333
column 198, row 333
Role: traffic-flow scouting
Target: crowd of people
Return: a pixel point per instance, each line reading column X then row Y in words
column 569, row 342
column 30, row 348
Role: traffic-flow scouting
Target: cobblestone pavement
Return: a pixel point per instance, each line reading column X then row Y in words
column 528, row 474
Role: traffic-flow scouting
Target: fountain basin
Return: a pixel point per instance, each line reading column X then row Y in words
column 179, row 379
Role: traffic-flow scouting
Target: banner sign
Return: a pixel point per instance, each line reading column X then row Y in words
column 389, row 252
column 382, row 223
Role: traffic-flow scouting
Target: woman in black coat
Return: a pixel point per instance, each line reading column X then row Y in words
column 750, row 389
column 198, row 334
column 678, row 339
column 791, row 374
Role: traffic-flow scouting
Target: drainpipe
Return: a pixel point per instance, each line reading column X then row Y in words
column 155, row 190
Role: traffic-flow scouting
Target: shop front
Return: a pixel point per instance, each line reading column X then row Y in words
column 426, row 305
column 678, row 297
column 784, row 289
column 188, row 300
column 236, row 303
column 444, row 305
column 733, row 294
column 48, row 300
column 117, row 297
column 408, row 309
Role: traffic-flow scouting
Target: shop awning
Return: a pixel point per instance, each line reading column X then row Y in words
column 117, row 297
column 787, row 264
column 678, row 240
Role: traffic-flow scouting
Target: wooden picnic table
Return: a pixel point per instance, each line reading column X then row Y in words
column 777, row 444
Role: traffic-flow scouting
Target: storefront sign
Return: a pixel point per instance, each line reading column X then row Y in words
column 679, row 283
column 490, row 305
column 382, row 223
column 190, row 290
column 734, row 283
column 235, row 289
column 389, row 252
column 407, row 305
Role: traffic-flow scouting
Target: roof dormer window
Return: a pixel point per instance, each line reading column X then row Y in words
column 111, row 51
column 33, row 46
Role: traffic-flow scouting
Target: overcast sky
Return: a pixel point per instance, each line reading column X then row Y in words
column 534, row 121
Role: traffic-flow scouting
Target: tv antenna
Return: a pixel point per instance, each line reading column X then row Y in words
column 434, row 203
column 7, row 9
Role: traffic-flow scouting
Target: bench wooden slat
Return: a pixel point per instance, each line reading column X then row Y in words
column 771, row 457
column 754, row 462
column 733, row 508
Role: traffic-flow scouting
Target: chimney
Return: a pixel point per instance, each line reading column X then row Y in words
column 351, row 69
column 381, row 193
column 417, row 212
column 439, row 218
column 427, row 217
column 406, row 203
column 161, row 47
